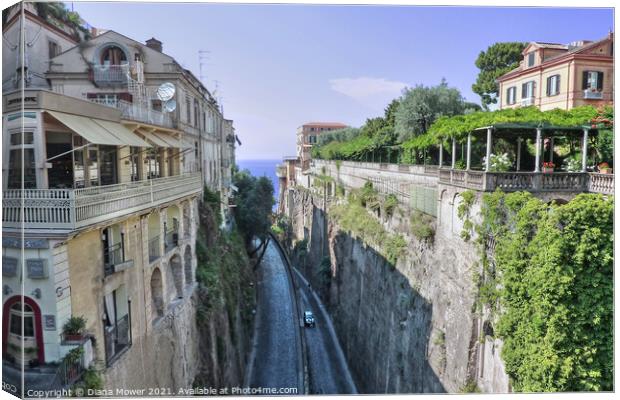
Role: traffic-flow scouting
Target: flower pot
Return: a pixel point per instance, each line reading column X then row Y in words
column 74, row 337
column 547, row 170
column 606, row 171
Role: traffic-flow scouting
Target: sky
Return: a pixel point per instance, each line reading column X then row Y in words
column 279, row 66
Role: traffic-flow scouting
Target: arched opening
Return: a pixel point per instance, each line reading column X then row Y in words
column 187, row 259
column 177, row 274
column 32, row 334
column 157, row 294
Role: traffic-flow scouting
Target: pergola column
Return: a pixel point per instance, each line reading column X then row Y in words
column 538, row 145
column 487, row 167
column 584, row 150
column 440, row 154
column 519, row 153
column 453, row 153
column 468, row 165
column 551, row 144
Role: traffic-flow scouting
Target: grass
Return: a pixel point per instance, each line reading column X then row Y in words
column 421, row 225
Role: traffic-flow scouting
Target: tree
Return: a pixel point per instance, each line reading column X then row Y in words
column 421, row 106
column 497, row 60
column 254, row 202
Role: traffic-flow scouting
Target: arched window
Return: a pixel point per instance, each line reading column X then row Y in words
column 113, row 55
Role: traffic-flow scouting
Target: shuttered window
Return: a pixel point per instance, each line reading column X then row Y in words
column 553, row 85
column 592, row 80
column 511, row 95
column 527, row 89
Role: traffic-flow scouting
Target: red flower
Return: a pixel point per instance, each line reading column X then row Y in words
column 548, row 164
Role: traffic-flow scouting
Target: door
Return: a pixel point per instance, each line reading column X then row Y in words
column 60, row 175
column 31, row 336
column 108, row 169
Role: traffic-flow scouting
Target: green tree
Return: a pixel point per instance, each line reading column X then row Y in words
column 420, row 106
column 498, row 59
column 254, row 201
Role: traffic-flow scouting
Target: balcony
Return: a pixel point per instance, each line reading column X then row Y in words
column 117, row 339
column 109, row 75
column 590, row 94
column 137, row 112
column 171, row 239
column 529, row 181
column 529, row 101
column 71, row 209
column 114, row 259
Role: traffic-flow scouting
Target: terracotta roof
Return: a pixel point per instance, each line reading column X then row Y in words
column 326, row 124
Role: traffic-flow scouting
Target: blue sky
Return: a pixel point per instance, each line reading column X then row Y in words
column 278, row 66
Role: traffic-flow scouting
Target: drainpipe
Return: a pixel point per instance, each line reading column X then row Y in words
column 538, row 140
column 584, row 150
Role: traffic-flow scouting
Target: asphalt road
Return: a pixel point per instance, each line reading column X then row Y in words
column 276, row 356
column 327, row 368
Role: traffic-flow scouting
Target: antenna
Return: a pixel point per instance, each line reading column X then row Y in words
column 203, row 59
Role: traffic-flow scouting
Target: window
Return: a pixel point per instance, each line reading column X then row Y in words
column 553, row 85
column 113, row 55
column 531, row 58
column 527, row 90
column 15, row 161
column 16, row 320
column 54, row 49
column 117, row 334
column 188, row 110
column 196, row 149
column 511, row 95
column 196, row 113
column 592, row 80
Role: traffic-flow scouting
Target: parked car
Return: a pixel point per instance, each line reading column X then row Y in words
column 309, row 319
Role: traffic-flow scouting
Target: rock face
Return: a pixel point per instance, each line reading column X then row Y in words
column 408, row 328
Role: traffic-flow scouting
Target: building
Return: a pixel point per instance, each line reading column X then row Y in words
column 553, row 75
column 113, row 175
column 307, row 136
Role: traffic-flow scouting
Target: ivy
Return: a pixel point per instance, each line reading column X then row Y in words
column 554, row 283
column 463, row 211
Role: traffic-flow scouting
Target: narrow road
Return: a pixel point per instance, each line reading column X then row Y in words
column 327, row 366
column 276, row 360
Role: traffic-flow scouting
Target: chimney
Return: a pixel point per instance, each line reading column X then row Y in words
column 154, row 44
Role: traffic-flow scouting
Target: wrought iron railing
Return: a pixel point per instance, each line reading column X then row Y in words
column 117, row 338
column 109, row 75
column 75, row 208
column 112, row 256
column 171, row 239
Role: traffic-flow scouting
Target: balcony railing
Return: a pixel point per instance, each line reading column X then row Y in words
column 137, row 112
column 529, row 181
column 117, row 339
column 154, row 248
column 171, row 239
column 114, row 259
column 589, row 94
column 109, row 75
column 76, row 208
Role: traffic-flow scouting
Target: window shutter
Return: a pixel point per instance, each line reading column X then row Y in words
column 599, row 81
column 508, row 96
column 524, row 90
column 557, row 84
column 549, row 86
column 584, row 84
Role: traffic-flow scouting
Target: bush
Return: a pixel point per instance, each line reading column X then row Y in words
column 421, row 225
column 390, row 204
column 74, row 326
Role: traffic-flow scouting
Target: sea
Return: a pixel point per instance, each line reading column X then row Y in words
column 260, row 168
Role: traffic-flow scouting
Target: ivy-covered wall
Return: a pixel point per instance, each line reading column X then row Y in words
column 550, row 287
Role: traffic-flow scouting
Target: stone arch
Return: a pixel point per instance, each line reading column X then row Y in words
column 444, row 207
column 176, row 266
column 157, row 294
column 187, row 261
column 456, row 224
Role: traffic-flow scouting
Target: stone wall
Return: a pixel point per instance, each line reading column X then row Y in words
column 408, row 328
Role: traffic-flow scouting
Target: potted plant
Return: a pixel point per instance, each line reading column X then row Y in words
column 548, row 167
column 604, row 168
column 73, row 329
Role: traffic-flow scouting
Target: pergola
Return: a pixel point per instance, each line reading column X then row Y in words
column 521, row 131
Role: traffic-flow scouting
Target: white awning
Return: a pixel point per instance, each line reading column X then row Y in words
column 127, row 136
column 153, row 138
column 87, row 128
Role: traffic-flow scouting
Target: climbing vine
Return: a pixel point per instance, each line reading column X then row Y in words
column 463, row 211
column 554, row 282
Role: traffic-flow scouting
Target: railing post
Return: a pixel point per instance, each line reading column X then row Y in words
column 72, row 205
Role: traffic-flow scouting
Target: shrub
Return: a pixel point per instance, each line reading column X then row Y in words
column 421, row 225
column 390, row 204
column 74, row 326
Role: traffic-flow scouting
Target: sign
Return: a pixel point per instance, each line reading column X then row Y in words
column 16, row 243
column 9, row 266
column 36, row 268
column 49, row 322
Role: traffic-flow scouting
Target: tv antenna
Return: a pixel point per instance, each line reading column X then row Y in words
column 204, row 56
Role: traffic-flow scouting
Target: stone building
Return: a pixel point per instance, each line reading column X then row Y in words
column 112, row 176
column 307, row 136
column 553, row 75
